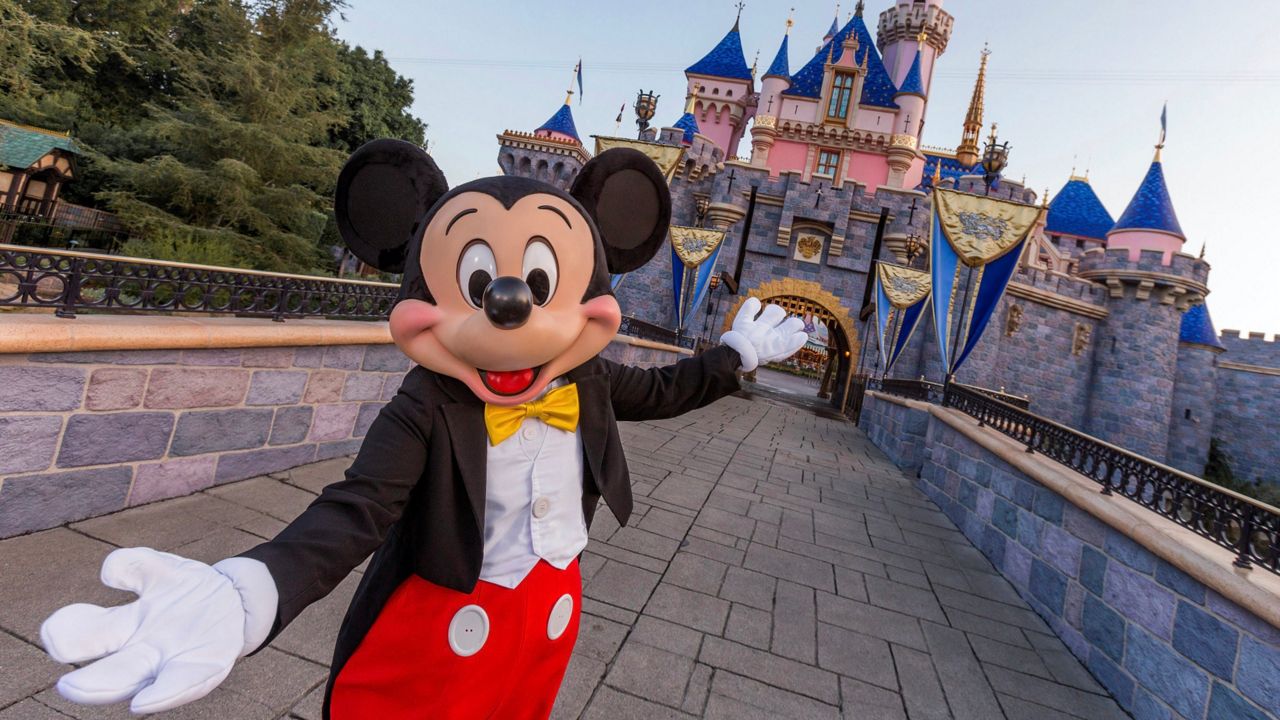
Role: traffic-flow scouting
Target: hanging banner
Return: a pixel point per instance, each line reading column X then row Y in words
column 902, row 293
column 973, row 254
column 691, row 249
column 667, row 157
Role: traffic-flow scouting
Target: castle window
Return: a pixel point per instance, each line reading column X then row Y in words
column 728, row 93
column 715, row 91
column 841, row 94
column 828, row 161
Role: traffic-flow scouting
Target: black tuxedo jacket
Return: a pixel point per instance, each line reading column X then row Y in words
column 416, row 492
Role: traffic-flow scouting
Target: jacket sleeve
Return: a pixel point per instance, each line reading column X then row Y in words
column 351, row 517
column 675, row 389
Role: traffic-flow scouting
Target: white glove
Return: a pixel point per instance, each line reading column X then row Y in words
column 175, row 643
column 772, row 336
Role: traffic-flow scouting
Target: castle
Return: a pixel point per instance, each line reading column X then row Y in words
column 1103, row 326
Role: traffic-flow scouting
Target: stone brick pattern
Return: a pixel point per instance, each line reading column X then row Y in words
column 897, row 429
column 82, row 434
column 1195, row 393
column 1245, row 417
column 1161, row 642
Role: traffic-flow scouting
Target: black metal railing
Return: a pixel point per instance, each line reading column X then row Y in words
column 71, row 281
column 636, row 328
column 1247, row 527
column 929, row 391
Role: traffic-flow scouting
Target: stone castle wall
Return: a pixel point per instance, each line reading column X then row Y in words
column 1195, row 395
column 1245, row 417
column 1157, row 615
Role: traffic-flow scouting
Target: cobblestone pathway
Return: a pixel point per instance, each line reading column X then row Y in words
column 777, row 566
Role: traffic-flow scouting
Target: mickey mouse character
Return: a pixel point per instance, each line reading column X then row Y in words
column 476, row 484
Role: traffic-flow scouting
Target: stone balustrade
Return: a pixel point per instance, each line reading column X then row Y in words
column 1158, row 614
column 102, row 413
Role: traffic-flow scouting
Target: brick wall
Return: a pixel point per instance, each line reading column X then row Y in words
column 1195, row 392
column 1162, row 642
column 1245, row 417
column 896, row 428
column 86, row 433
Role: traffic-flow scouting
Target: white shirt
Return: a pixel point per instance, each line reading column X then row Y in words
column 533, row 503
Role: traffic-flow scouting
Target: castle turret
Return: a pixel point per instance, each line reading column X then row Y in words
column 1149, row 223
column 904, row 144
column 552, row 153
column 724, row 87
column 1131, row 399
column 1078, row 220
column 911, row 27
column 967, row 152
column 1195, row 391
column 776, row 79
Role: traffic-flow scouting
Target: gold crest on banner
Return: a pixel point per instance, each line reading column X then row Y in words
column 981, row 229
column 694, row 245
column 667, row 157
column 903, row 286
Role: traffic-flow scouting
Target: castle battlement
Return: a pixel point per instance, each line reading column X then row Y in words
column 1063, row 285
column 1255, row 348
column 1101, row 260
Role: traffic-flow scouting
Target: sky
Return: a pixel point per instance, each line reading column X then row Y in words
column 1072, row 85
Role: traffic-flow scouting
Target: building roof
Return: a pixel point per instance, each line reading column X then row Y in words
column 21, row 146
column 951, row 168
column 1197, row 327
column 878, row 88
column 913, row 83
column 725, row 60
column 1076, row 210
column 1151, row 208
column 561, row 122
column 835, row 28
column 689, row 124
column 780, row 67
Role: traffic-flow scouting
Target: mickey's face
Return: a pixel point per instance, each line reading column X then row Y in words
column 506, row 279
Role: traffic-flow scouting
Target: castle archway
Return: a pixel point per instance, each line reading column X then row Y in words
column 808, row 299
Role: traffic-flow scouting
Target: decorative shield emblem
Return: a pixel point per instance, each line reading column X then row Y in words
column 694, row 245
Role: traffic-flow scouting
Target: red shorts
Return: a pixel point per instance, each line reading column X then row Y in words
column 440, row 654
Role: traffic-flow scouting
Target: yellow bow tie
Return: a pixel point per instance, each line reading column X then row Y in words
column 558, row 408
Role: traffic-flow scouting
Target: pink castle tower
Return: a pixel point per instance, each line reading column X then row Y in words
column 723, row 90
column 1149, row 223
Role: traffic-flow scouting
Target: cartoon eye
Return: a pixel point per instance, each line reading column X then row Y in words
column 540, row 270
column 476, row 269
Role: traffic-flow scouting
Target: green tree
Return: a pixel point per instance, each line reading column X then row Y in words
column 214, row 128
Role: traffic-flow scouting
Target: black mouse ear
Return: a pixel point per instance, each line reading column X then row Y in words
column 384, row 191
column 625, row 193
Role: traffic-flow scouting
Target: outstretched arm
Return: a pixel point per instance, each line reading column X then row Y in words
column 191, row 621
column 697, row 381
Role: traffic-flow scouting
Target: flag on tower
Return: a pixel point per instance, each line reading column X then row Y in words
column 1164, row 121
column 620, row 111
column 578, row 72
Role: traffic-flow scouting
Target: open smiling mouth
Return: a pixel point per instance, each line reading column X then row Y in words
column 509, row 382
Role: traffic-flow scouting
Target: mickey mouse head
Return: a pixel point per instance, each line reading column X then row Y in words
column 506, row 279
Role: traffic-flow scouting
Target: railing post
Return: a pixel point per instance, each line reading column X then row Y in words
column 71, row 291
column 1246, row 534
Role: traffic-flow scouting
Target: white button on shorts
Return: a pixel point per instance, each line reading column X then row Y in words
column 468, row 630
column 561, row 614
column 541, row 507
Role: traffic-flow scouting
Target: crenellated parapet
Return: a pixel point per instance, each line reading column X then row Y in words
column 1182, row 282
column 903, row 23
column 1253, row 348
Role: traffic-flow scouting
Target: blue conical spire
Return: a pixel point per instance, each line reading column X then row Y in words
column 725, row 59
column 1197, row 327
column 912, row 83
column 1151, row 208
column 780, row 67
column 561, row 122
column 835, row 28
column 689, row 124
column 1076, row 210
column 877, row 90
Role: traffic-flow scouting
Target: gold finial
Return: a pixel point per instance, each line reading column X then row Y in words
column 857, row 9
column 937, row 172
column 755, row 64
column 693, row 100
column 737, row 19
column 569, row 93
column 831, row 49
column 790, row 20
column 1044, row 202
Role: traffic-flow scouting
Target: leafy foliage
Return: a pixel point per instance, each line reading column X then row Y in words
column 214, row 128
column 1218, row 470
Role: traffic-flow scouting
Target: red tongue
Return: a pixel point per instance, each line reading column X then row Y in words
column 509, row 382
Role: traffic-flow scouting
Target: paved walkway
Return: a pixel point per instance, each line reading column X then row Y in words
column 777, row 567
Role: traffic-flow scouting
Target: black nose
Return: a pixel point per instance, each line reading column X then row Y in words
column 508, row 302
